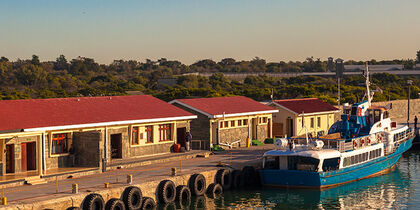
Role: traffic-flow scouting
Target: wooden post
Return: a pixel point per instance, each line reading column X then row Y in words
column 56, row 184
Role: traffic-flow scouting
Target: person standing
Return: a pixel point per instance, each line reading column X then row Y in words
column 415, row 122
column 188, row 138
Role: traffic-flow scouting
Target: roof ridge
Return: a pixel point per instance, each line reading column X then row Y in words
column 69, row 98
column 297, row 99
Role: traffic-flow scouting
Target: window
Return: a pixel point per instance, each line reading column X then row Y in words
column 149, row 132
column 226, row 124
column 239, row 122
column 352, row 160
column 232, row 123
column 221, row 124
column 165, row 132
column 135, row 136
column 245, row 122
column 59, row 143
column 319, row 122
column 312, row 122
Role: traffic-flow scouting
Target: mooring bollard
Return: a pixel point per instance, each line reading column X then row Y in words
column 56, row 184
column 173, row 171
column 129, row 179
column 74, row 188
column 3, row 199
column 106, row 185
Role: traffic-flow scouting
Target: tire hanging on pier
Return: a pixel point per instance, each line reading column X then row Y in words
column 166, row 191
column 214, row 190
column 183, row 196
column 148, row 203
column 224, row 178
column 115, row 204
column 93, row 201
column 197, row 184
column 238, row 179
column 251, row 176
column 132, row 197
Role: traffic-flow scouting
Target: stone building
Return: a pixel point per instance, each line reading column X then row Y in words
column 298, row 116
column 225, row 120
column 40, row 136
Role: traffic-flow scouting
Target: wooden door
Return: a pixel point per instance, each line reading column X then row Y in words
column 269, row 128
column 23, row 157
column 31, row 156
column 10, row 158
column 180, row 136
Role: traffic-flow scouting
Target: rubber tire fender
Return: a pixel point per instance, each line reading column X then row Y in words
column 148, row 203
column 238, row 179
column 115, row 203
column 132, row 198
column 166, row 192
column 224, row 178
column 197, row 184
column 183, row 196
column 93, row 202
column 250, row 176
column 214, row 189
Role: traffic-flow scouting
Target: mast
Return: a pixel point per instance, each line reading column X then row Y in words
column 367, row 85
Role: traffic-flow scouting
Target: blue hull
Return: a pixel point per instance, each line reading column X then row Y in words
column 306, row 179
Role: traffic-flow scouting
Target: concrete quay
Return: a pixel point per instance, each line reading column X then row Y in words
column 146, row 177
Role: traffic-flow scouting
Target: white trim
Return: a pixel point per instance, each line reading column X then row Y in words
column 304, row 114
column 224, row 115
column 244, row 113
column 190, row 107
column 110, row 123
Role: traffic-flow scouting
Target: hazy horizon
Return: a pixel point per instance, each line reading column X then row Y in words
column 189, row 31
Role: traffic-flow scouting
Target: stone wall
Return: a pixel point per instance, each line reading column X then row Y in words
column 262, row 132
column 234, row 134
column 57, row 161
column 151, row 149
column 87, row 151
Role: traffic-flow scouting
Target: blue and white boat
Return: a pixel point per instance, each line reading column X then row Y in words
column 363, row 144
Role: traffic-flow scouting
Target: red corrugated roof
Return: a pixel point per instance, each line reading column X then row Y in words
column 306, row 105
column 227, row 105
column 37, row 113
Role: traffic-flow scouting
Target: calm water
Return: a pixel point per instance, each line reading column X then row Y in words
column 399, row 189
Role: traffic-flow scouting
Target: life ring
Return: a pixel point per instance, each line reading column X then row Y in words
column 354, row 144
column 362, row 141
column 197, row 184
column 224, row 178
column 368, row 140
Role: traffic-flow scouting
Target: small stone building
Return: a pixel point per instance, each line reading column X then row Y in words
column 225, row 120
column 43, row 135
column 296, row 116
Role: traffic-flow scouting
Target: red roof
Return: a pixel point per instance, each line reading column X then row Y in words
column 306, row 105
column 38, row 113
column 226, row 105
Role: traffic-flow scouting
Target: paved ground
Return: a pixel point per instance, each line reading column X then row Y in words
column 141, row 174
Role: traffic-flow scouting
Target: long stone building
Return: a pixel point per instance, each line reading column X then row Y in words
column 43, row 136
column 226, row 120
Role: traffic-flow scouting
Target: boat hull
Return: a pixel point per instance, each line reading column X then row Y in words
column 307, row 179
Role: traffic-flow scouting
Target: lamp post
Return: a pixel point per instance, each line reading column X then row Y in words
column 409, row 82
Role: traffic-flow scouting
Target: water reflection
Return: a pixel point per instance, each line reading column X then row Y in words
column 398, row 189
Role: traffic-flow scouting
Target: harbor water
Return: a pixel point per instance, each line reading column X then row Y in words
column 398, row 189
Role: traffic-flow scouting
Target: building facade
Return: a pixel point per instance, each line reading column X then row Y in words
column 300, row 116
column 227, row 121
column 43, row 135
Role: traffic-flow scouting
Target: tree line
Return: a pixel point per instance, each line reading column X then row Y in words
column 83, row 76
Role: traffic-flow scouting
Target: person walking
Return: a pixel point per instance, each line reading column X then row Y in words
column 188, row 138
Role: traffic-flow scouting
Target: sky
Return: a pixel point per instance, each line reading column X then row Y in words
column 188, row 31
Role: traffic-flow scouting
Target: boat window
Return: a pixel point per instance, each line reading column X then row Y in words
column 356, row 159
column 366, row 156
column 303, row 163
column 352, row 160
column 386, row 114
column 370, row 113
column 331, row 164
column 354, row 110
column 271, row 162
column 346, row 161
column 377, row 115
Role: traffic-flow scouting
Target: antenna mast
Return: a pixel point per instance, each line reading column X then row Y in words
column 367, row 86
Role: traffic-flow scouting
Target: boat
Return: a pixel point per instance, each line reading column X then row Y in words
column 363, row 144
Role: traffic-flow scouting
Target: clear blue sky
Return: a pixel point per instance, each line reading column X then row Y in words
column 192, row 30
